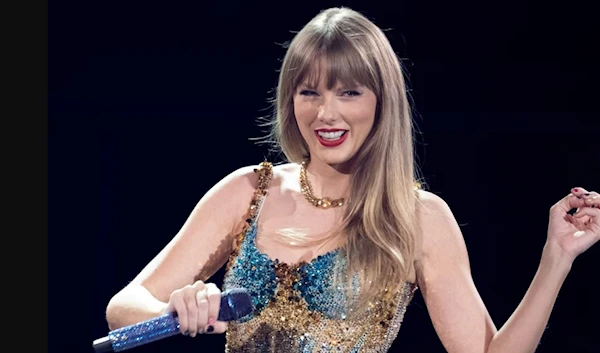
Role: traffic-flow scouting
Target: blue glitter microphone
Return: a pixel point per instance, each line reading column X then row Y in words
column 235, row 304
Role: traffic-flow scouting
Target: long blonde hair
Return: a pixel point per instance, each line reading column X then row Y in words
column 380, row 222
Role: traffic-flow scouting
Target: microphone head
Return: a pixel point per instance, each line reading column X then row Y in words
column 235, row 304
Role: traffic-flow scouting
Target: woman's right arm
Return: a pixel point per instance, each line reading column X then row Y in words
column 201, row 246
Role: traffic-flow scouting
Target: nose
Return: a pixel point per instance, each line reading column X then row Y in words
column 327, row 111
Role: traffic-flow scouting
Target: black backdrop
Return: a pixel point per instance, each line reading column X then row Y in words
column 151, row 103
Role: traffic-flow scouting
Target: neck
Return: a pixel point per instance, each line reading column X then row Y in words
column 327, row 180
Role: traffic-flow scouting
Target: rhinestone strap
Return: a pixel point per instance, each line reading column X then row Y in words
column 265, row 174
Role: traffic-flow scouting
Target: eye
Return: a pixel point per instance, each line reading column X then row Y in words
column 351, row 93
column 306, row 92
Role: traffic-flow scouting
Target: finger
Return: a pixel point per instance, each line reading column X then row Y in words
column 593, row 213
column 202, row 303
column 591, row 199
column 593, row 216
column 200, row 293
column 578, row 191
column 192, row 311
column 568, row 204
column 213, row 294
column 199, row 285
column 583, row 193
column 580, row 222
column 177, row 303
column 217, row 327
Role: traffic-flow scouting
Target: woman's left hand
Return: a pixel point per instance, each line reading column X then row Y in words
column 573, row 234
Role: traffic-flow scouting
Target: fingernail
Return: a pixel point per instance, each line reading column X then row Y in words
column 210, row 328
column 211, row 321
column 186, row 333
column 575, row 190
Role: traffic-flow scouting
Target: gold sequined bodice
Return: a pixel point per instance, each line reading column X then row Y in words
column 299, row 308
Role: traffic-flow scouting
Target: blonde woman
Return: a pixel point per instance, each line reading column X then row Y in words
column 333, row 244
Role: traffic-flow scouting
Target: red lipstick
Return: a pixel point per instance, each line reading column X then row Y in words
column 331, row 143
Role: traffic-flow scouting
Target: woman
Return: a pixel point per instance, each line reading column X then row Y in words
column 333, row 244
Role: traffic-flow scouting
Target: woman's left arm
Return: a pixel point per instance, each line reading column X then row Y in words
column 457, row 312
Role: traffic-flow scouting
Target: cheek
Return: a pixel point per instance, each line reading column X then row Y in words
column 304, row 114
column 363, row 118
column 304, row 119
column 367, row 114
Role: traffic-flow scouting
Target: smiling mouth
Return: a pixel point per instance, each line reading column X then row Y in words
column 331, row 135
column 331, row 138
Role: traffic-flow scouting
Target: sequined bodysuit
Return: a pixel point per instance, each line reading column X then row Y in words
column 297, row 308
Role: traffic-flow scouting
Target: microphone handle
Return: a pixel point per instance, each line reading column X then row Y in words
column 138, row 334
column 235, row 303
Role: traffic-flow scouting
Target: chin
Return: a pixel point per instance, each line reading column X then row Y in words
column 334, row 158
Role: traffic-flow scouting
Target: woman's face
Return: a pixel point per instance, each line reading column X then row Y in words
column 336, row 122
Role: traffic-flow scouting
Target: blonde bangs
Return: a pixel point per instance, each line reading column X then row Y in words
column 337, row 57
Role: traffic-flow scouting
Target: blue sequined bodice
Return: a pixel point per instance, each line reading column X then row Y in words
column 259, row 274
column 300, row 307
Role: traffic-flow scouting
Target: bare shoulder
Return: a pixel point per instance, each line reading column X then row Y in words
column 439, row 230
column 238, row 181
column 431, row 206
column 244, row 181
column 245, row 178
column 285, row 176
column 233, row 193
column 285, row 170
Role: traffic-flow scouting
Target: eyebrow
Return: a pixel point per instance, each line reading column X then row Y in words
column 341, row 87
column 309, row 86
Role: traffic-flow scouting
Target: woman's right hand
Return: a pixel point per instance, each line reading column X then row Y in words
column 197, row 308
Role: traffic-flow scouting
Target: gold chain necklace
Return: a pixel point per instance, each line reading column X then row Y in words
column 324, row 202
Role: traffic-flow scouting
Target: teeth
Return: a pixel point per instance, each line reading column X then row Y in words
column 331, row 135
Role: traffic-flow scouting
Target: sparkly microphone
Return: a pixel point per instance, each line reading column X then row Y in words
column 235, row 303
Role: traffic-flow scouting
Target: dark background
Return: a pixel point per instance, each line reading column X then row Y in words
column 151, row 103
